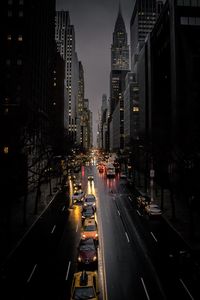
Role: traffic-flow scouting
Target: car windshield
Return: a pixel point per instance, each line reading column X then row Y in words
column 89, row 200
column 83, row 293
column 87, row 247
column 90, row 228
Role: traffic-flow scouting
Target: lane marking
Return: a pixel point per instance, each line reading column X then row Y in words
column 66, row 277
column 54, row 227
column 185, row 287
column 30, row 276
column 145, row 289
column 130, row 199
column 154, row 236
column 138, row 212
column 77, row 227
column 127, row 237
column 63, row 208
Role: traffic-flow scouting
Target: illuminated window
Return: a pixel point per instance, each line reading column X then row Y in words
column 19, row 62
column 5, row 149
column 9, row 37
column 20, row 38
column 54, row 84
column 135, row 108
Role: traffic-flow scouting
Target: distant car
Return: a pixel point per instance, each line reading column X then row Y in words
column 90, row 177
column 77, row 185
column 143, row 201
column 87, row 252
column 90, row 200
column 88, row 212
column 78, row 196
column 89, row 229
column 84, row 286
column 123, row 175
column 153, row 210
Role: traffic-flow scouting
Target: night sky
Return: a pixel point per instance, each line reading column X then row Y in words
column 94, row 22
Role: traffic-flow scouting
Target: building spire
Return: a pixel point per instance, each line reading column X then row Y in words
column 120, row 8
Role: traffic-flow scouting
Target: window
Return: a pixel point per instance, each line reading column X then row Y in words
column 9, row 37
column 19, row 61
column 20, row 38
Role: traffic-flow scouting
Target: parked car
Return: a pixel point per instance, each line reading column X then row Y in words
column 143, row 201
column 87, row 252
column 90, row 200
column 153, row 210
column 84, row 286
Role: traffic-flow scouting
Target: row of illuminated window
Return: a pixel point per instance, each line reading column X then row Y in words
column 10, row 2
column 19, row 37
column 9, row 62
column 190, row 21
column 20, row 13
column 192, row 3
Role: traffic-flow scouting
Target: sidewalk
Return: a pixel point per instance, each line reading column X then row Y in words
column 181, row 222
column 12, row 227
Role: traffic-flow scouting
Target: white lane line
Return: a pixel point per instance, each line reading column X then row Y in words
column 118, row 212
column 145, row 289
column 185, row 287
column 127, row 237
column 130, row 199
column 154, row 236
column 54, row 227
column 77, row 227
column 63, row 208
column 66, row 277
column 138, row 212
column 29, row 279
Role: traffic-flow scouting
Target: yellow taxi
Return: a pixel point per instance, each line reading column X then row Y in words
column 85, row 286
column 89, row 229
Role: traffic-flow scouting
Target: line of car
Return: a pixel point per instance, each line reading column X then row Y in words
column 85, row 280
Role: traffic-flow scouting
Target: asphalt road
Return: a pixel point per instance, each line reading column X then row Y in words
column 139, row 258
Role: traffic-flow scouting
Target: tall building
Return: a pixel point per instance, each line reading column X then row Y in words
column 27, row 54
column 119, row 68
column 119, row 48
column 62, row 21
column 143, row 18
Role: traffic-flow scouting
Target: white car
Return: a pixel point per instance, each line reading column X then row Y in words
column 153, row 210
column 77, row 196
column 90, row 200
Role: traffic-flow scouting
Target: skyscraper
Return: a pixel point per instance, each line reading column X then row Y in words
column 119, row 48
column 119, row 68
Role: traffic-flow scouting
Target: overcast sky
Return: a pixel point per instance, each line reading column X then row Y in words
column 94, row 22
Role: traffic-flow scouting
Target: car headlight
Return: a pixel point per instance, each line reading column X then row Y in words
column 96, row 234
column 83, row 235
column 94, row 258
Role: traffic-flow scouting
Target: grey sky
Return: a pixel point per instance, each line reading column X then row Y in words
column 94, row 22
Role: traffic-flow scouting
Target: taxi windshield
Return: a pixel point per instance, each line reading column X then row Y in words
column 83, row 293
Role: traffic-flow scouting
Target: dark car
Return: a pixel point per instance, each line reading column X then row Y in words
column 88, row 212
column 87, row 252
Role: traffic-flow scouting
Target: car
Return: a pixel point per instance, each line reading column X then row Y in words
column 123, row 175
column 143, row 201
column 77, row 185
column 90, row 177
column 87, row 252
column 88, row 212
column 153, row 210
column 78, row 196
column 90, row 200
column 85, row 286
column 89, row 229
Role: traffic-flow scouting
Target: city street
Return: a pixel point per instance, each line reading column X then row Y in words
column 138, row 258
